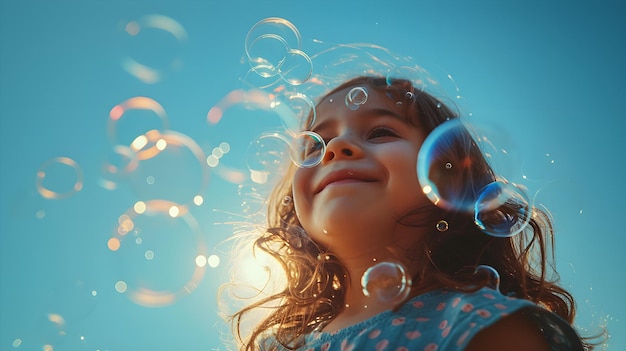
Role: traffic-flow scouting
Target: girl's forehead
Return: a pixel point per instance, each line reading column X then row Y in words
column 357, row 99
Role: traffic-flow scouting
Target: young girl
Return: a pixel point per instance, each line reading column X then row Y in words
column 373, row 263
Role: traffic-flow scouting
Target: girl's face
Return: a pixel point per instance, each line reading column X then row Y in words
column 367, row 180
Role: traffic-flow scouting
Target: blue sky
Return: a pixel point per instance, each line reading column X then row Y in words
column 545, row 79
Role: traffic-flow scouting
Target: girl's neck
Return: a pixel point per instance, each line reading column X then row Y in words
column 360, row 307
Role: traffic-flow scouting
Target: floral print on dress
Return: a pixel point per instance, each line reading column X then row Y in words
column 441, row 320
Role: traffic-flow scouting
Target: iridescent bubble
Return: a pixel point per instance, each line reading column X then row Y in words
column 490, row 275
column 307, row 149
column 387, row 282
column 297, row 67
column 155, row 245
column 502, row 209
column 153, row 47
column 59, row 178
column 266, row 34
column 134, row 117
column 447, row 161
column 356, row 97
column 171, row 167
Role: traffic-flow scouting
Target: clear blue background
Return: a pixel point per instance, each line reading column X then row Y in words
column 548, row 76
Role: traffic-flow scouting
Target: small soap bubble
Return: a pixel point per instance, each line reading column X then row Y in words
column 502, row 209
column 153, row 47
column 356, row 97
column 442, row 225
column 387, row 282
column 308, row 149
column 59, row 178
column 490, row 274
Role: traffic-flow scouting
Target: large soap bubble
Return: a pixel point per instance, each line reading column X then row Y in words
column 445, row 165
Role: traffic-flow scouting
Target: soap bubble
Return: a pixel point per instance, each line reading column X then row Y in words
column 153, row 47
column 502, row 209
column 171, row 167
column 308, row 149
column 155, row 245
column 387, row 282
column 134, row 117
column 447, row 164
column 356, row 97
column 59, row 178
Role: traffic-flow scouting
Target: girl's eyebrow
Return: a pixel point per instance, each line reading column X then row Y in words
column 369, row 114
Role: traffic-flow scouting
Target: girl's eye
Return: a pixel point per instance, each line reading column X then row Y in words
column 380, row 132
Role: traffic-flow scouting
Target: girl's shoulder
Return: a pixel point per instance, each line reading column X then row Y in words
column 441, row 320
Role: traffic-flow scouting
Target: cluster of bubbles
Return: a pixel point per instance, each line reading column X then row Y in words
column 157, row 242
column 273, row 50
column 500, row 208
column 448, row 156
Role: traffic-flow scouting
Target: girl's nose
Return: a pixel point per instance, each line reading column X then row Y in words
column 341, row 147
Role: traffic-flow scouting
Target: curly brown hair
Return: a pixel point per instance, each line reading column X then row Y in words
column 313, row 295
